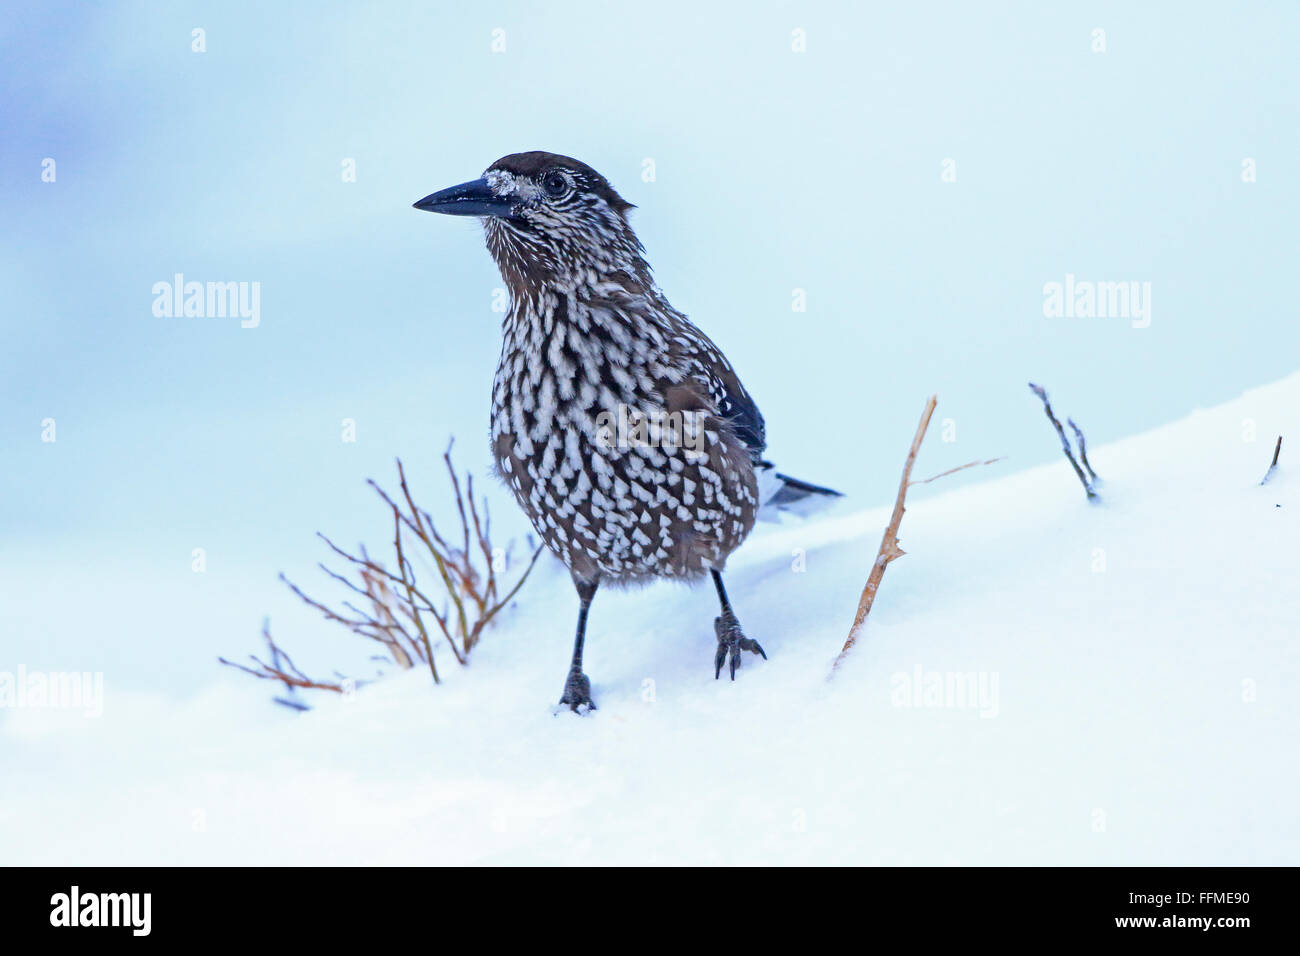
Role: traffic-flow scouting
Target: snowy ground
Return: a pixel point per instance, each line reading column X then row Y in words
column 1135, row 665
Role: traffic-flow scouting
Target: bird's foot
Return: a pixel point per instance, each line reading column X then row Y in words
column 577, row 693
column 731, row 641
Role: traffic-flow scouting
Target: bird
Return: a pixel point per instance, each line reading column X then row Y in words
column 621, row 429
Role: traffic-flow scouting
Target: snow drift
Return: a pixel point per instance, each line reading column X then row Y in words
column 1041, row 680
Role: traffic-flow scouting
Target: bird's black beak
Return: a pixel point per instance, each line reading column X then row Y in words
column 469, row 199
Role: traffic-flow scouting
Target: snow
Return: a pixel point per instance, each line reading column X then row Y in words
column 1135, row 666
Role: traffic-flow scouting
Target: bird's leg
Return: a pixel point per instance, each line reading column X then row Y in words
column 577, row 687
column 731, row 639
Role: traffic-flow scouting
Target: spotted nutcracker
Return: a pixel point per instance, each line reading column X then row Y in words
column 623, row 431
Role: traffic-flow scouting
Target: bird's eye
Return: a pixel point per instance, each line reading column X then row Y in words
column 555, row 185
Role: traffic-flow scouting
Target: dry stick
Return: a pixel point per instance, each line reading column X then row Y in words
column 275, row 651
column 889, row 549
column 423, row 528
column 367, row 563
column 492, row 611
column 429, row 536
column 270, row 673
column 460, row 501
column 382, row 598
column 460, row 578
column 1065, row 442
column 407, row 581
column 1083, row 448
column 410, row 594
column 374, row 576
column 953, row 471
column 365, row 621
column 371, row 581
column 1277, row 450
column 489, row 591
column 484, row 533
column 292, row 677
column 358, row 626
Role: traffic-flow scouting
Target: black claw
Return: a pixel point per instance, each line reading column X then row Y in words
column 577, row 693
column 731, row 642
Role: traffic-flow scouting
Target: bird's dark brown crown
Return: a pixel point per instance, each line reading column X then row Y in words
column 536, row 162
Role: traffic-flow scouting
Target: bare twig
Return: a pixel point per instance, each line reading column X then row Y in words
column 1277, row 450
column 1083, row 450
column 282, row 669
column 889, row 549
column 1065, row 442
column 398, row 610
column 953, row 471
column 492, row 611
column 410, row 596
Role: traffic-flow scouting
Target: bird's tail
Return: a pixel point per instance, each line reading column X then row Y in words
column 778, row 492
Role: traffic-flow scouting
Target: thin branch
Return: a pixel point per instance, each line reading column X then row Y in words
column 1083, row 450
column 382, row 601
column 360, row 625
column 952, row 471
column 289, row 675
column 460, row 501
column 489, row 592
column 276, row 656
column 365, row 562
column 492, row 612
column 1065, row 442
column 1277, row 450
column 402, row 566
column 889, row 549
column 428, row 535
column 394, row 611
